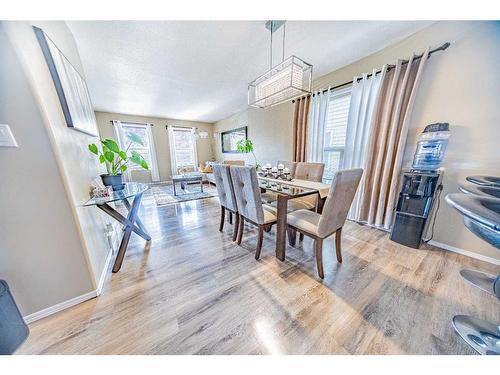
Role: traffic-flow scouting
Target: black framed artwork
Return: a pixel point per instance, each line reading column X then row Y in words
column 70, row 87
column 230, row 138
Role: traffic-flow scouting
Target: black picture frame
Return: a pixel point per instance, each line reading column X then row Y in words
column 70, row 86
column 226, row 147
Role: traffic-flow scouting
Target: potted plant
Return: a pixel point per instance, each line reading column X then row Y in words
column 116, row 159
column 246, row 146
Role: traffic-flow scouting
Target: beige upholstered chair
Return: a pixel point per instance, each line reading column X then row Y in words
column 309, row 171
column 227, row 199
column 249, row 203
column 337, row 205
column 291, row 165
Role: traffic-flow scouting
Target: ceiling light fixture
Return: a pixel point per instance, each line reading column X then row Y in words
column 288, row 80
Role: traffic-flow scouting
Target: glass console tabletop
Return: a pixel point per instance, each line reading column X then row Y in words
column 130, row 190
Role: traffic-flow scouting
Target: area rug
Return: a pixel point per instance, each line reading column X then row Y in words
column 163, row 194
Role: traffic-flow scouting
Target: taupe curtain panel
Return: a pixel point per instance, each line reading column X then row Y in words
column 300, row 128
column 386, row 146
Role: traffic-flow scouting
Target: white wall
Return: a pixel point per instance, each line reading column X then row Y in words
column 203, row 146
column 41, row 255
column 461, row 86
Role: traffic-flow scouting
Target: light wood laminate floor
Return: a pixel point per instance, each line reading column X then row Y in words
column 195, row 292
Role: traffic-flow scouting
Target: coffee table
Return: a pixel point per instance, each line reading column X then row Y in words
column 185, row 178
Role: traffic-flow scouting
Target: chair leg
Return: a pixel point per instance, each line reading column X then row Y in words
column 338, row 240
column 292, row 236
column 301, row 237
column 236, row 226
column 222, row 215
column 240, row 233
column 318, row 243
column 260, row 238
column 268, row 227
column 230, row 218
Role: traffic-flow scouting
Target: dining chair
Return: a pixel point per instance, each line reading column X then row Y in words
column 337, row 205
column 309, row 171
column 291, row 165
column 227, row 199
column 249, row 203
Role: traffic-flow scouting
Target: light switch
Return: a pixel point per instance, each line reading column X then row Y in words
column 6, row 137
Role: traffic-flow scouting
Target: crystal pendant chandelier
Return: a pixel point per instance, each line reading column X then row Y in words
column 288, row 80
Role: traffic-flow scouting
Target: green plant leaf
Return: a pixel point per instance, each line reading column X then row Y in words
column 111, row 145
column 123, row 155
column 134, row 138
column 102, row 159
column 136, row 158
column 123, row 168
column 93, row 149
column 109, row 156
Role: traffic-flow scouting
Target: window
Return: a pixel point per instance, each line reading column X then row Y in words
column 182, row 148
column 146, row 150
column 336, row 131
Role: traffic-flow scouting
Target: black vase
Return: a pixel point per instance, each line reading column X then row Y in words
column 114, row 181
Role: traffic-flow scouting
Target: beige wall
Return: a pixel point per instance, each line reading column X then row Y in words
column 160, row 135
column 269, row 129
column 460, row 86
column 42, row 252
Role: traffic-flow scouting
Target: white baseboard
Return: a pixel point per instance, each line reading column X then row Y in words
column 59, row 307
column 104, row 272
column 73, row 301
column 468, row 253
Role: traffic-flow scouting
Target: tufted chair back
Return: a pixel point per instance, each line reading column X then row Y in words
column 224, row 184
column 339, row 200
column 309, row 171
column 247, row 192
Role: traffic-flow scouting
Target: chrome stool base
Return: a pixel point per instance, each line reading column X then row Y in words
column 480, row 280
column 483, row 336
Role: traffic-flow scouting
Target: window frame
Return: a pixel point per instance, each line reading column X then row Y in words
column 336, row 94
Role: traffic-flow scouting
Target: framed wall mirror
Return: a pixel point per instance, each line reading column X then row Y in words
column 230, row 138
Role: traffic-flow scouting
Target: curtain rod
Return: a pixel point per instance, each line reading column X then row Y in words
column 132, row 123
column 440, row 48
column 182, row 127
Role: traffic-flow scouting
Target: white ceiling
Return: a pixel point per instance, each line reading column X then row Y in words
column 199, row 70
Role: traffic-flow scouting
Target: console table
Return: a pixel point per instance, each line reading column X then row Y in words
column 131, row 223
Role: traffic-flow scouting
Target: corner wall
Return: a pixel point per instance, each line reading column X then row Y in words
column 41, row 255
column 63, row 255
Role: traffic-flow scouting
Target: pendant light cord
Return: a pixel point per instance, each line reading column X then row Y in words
column 283, row 53
column 271, row 54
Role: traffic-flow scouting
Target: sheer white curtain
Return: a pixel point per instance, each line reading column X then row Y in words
column 363, row 98
column 316, row 125
column 155, row 173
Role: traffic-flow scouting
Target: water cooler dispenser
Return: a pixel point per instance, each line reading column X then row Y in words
column 420, row 187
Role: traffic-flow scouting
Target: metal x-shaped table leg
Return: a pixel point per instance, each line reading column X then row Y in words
column 129, row 226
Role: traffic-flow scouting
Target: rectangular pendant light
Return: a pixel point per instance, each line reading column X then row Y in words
column 288, row 80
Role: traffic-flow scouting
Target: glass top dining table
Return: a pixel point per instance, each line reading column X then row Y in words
column 287, row 188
